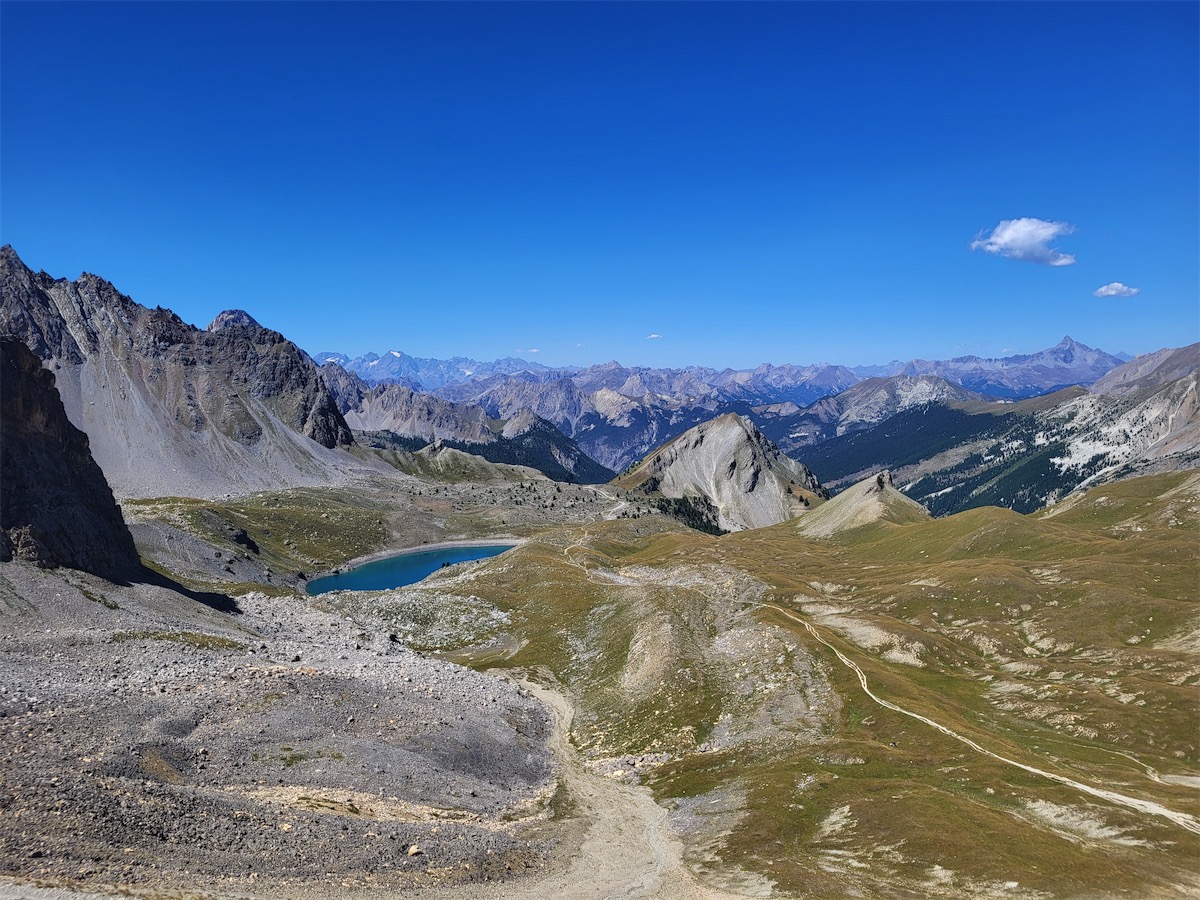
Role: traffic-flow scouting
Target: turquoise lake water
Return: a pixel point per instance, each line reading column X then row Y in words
column 397, row 571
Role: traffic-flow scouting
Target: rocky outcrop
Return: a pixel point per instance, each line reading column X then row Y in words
column 56, row 509
column 728, row 463
column 169, row 408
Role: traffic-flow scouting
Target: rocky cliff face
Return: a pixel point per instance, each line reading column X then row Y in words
column 728, row 461
column 56, row 509
column 169, row 408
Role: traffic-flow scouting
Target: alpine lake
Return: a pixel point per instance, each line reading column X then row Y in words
column 404, row 568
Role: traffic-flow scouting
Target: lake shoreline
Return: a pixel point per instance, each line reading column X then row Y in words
column 378, row 556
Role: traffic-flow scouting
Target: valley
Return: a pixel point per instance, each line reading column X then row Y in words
column 765, row 660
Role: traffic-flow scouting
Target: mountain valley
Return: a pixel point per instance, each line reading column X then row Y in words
column 827, row 633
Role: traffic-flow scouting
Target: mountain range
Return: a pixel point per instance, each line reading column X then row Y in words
column 1025, row 375
column 617, row 414
column 838, row 696
column 171, row 408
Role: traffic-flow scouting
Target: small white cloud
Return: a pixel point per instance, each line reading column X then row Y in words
column 1027, row 240
column 533, row 350
column 1116, row 289
column 653, row 336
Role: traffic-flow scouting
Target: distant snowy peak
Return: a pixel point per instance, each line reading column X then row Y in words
column 395, row 366
column 329, row 356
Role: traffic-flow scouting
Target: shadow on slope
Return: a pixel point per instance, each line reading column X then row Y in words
column 213, row 600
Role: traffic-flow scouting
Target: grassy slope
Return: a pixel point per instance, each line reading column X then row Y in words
column 1050, row 641
column 1060, row 640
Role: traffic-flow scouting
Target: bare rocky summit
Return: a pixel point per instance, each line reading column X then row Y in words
column 56, row 509
column 733, row 466
column 233, row 318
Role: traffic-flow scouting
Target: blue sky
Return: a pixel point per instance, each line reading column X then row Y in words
column 783, row 182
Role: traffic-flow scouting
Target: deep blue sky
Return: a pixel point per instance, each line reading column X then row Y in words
column 784, row 182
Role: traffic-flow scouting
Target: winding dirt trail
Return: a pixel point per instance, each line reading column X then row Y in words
column 1149, row 807
column 628, row 850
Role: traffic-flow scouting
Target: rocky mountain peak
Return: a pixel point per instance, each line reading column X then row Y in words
column 232, row 318
column 728, row 463
column 156, row 395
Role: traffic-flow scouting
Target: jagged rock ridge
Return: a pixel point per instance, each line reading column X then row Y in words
column 56, row 509
column 523, row 439
column 171, row 409
column 730, row 463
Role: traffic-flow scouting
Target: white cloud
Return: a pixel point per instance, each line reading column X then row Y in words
column 530, row 350
column 1116, row 289
column 1027, row 240
column 653, row 336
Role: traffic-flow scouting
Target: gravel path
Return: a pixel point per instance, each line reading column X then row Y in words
column 628, row 850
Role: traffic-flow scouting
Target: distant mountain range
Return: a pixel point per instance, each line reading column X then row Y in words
column 1141, row 418
column 170, row 409
column 423, row 374
column 1063, row 365
column 619, row 413
column 1027, row 375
